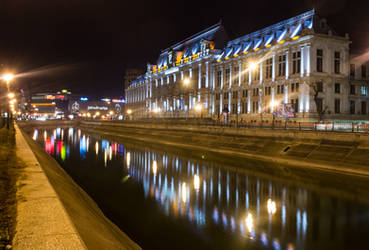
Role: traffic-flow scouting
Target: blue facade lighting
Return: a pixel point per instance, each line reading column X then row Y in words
column 83, row 99
column 295, row 30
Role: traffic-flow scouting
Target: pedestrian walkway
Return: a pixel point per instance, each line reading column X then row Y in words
column 42, row 222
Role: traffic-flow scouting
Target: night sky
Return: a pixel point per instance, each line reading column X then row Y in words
column 86, row 45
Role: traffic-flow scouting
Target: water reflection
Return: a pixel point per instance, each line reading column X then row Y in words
column 209, row 197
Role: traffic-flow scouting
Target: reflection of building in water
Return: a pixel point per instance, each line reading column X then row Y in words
column 265, row 211
column 269, row 212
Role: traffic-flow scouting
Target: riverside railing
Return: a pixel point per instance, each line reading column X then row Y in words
column 360, row 127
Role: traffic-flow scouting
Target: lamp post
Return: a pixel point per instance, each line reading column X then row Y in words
column 7, row 78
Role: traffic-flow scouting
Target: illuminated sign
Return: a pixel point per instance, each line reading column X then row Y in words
column 83, row 99
column 50, row 97
column 118, row 101
column 64, row 91
column 105, row 100
column 97, row 108
column 60, row 96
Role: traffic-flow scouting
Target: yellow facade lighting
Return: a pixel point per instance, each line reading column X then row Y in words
column 295, row 37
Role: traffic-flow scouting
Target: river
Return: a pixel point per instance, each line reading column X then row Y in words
column 168, row 200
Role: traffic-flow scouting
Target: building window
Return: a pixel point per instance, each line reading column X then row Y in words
column 235, row 94
column 217, row 96
column 292, row 87
column 363, row 90
column 254, row 107
column 244, row 108
column 319, row 105
column 337, row 106
column 352, row 107
column 337, row 62
column 363, row 71
column 352, row 71
column 282, row 65
column 219, row 78
column 226, row 95
column 282, row 89
column 295, row 104
column 268, row 68
column 319, row 86
column 227, row 74
column 278, row 89
column 337, row 88
column 319, row 60
column 352, row 89
column 234, row 108
column 363, row 107
column 296, row 62
column 244, row 93
column 235, row 75
column 297, row 87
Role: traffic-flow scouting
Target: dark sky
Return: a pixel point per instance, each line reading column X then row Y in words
column 86, row 45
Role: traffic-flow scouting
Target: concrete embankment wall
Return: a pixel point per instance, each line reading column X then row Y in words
column 332, row 151
column 76, row 223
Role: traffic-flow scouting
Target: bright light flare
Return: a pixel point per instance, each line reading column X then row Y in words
column 253, row 66
column 198, row 107
column 272, row 207
column 249, row 222
column 8, row 77
column 196, row 182
column 154, row 167
column 11, row 95
column 186, row 81
column 129, row 111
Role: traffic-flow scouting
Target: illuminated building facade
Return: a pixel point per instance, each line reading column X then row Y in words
column 299, row 61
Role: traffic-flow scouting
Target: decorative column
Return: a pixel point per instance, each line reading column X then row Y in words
column 249, row 75
column 261, row 73
column 220, row 103
column 273, row 69
column 248, row 102
column 286, row 94
column 229, row 101
column 302, row 71
column 222, row 78
column 308, row 63
column 230, row 77
column 239, row 73
column 199, row 82
column 260, row 100
column 207, row 75
column 287, row 64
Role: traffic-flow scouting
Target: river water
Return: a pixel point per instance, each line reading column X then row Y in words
column 166, row 200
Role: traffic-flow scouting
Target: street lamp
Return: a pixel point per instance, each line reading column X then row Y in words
column 186, row 81
column 11, row 95
column 252, row 65
column 198, row 108
column 8, row 78
column 129, row 111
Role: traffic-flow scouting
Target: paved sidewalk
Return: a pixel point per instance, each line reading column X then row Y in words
column 42, row 222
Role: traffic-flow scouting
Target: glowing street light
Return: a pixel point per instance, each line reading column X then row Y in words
column 11, row 95
column 129, row 111
column 252, row 66
column 272, row 208
column 198, row 107
column 111, row 112
column 186, row 81
column 8, row 78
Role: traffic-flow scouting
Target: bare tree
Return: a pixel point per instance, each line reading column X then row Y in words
column 318, row 101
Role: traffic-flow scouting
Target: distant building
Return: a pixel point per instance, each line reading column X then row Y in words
column 64, row 103
column 300, row 61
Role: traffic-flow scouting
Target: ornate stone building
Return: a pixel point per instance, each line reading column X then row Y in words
column 300, row 61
